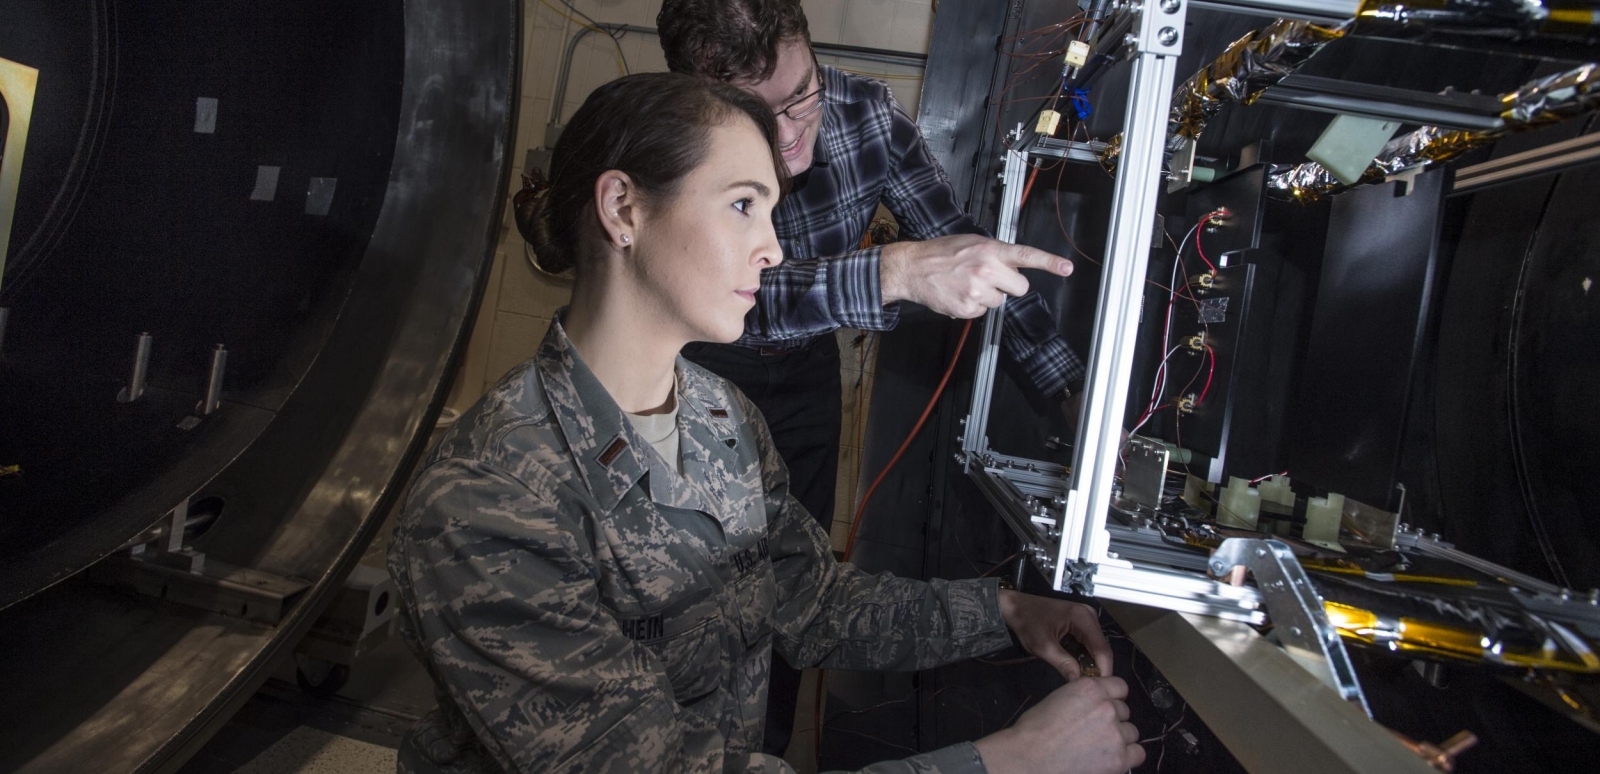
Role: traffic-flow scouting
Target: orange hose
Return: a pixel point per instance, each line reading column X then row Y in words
column 855, row 521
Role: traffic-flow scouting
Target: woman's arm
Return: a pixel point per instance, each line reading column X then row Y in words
column 834, row 615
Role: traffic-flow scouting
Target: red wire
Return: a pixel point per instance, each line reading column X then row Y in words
column 1212, row 354
column 1197, row 247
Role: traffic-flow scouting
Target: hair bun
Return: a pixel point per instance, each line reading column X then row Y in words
column 532, row 214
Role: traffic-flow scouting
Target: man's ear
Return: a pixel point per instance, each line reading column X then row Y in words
column 616, row 202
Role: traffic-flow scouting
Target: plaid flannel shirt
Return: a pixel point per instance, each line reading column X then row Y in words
column 869, row 151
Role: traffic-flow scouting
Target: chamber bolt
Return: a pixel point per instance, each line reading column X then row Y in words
column 1167, row 36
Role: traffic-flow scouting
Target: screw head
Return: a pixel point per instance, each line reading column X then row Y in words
column 1171, row 6
column 1295, row 630
column 1218, row 567
column 1167, row 36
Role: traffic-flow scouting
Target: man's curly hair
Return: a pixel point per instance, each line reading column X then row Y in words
column 728, row 40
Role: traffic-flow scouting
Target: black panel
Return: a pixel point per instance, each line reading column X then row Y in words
column 1370, row 311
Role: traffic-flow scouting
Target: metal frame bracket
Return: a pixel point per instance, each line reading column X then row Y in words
column 1295, row 608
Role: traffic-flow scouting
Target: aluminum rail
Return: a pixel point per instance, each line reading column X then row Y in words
column 1158, row 42
column 1551, row 158
column 1472, row 112
column 1309, row 10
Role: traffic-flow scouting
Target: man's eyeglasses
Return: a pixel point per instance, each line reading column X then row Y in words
column 804, row 107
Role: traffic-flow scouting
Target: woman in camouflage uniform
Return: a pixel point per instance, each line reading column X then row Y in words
column 598, row 560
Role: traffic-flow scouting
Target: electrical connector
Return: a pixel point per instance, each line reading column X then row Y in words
column 1077, row 53
column 1186, row 404
column 1196, row 342
column 1048, row 121
column 1206, row 280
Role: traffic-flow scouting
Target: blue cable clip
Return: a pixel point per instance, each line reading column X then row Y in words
column 1080, row 103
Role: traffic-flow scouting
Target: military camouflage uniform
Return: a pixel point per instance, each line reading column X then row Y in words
column 583, row 608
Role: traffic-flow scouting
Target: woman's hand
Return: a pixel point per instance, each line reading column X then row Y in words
column 1041, row 622
column 1080, row 728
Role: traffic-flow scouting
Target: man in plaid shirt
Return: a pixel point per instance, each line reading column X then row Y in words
column 849, row 147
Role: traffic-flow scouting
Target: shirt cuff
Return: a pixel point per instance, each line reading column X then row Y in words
column 855, row 291
column 1052, row 366
column 960, row 758
column 975, row 615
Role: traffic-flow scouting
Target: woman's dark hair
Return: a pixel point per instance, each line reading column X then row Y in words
column 729, row 39
column 655, row 128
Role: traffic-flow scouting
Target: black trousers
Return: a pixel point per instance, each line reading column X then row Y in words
column 798, row 391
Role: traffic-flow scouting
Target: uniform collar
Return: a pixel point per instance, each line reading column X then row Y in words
column 598, row 436
column 610, row 454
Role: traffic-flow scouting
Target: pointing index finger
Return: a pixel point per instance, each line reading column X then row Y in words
column 1024, row 257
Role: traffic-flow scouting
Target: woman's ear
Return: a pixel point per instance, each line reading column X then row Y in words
column 616, row 201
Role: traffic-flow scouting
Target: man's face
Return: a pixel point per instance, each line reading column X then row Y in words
column 792, row 87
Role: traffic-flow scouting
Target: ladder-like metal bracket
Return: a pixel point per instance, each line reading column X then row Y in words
column 1295, row 609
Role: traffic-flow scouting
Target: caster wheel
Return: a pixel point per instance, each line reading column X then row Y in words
column 320, row 678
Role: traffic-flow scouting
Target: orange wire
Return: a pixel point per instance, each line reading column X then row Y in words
column 855, row 522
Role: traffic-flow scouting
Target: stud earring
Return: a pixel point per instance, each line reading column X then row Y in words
column 626, row 239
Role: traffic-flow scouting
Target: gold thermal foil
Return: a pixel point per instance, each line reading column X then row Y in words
column 1248, row 67
column 1539, row 102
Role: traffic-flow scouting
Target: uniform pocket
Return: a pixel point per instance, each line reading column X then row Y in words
column 756, row 595
column 694, row 654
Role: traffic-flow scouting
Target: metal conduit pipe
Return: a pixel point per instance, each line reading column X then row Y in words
column 860, row 53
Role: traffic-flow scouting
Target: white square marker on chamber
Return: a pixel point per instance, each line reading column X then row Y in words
column 266, row 184
column 319, row 195
column 205, row 115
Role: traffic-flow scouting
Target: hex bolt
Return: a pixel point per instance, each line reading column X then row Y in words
column 1171, row 6
column 1167, row 36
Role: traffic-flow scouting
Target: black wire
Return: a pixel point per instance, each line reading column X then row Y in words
column 581, row 14
column 615, row 35
column 878, row 739
column 627, row 69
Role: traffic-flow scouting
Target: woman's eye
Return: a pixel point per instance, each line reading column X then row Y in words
column 743, row 205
